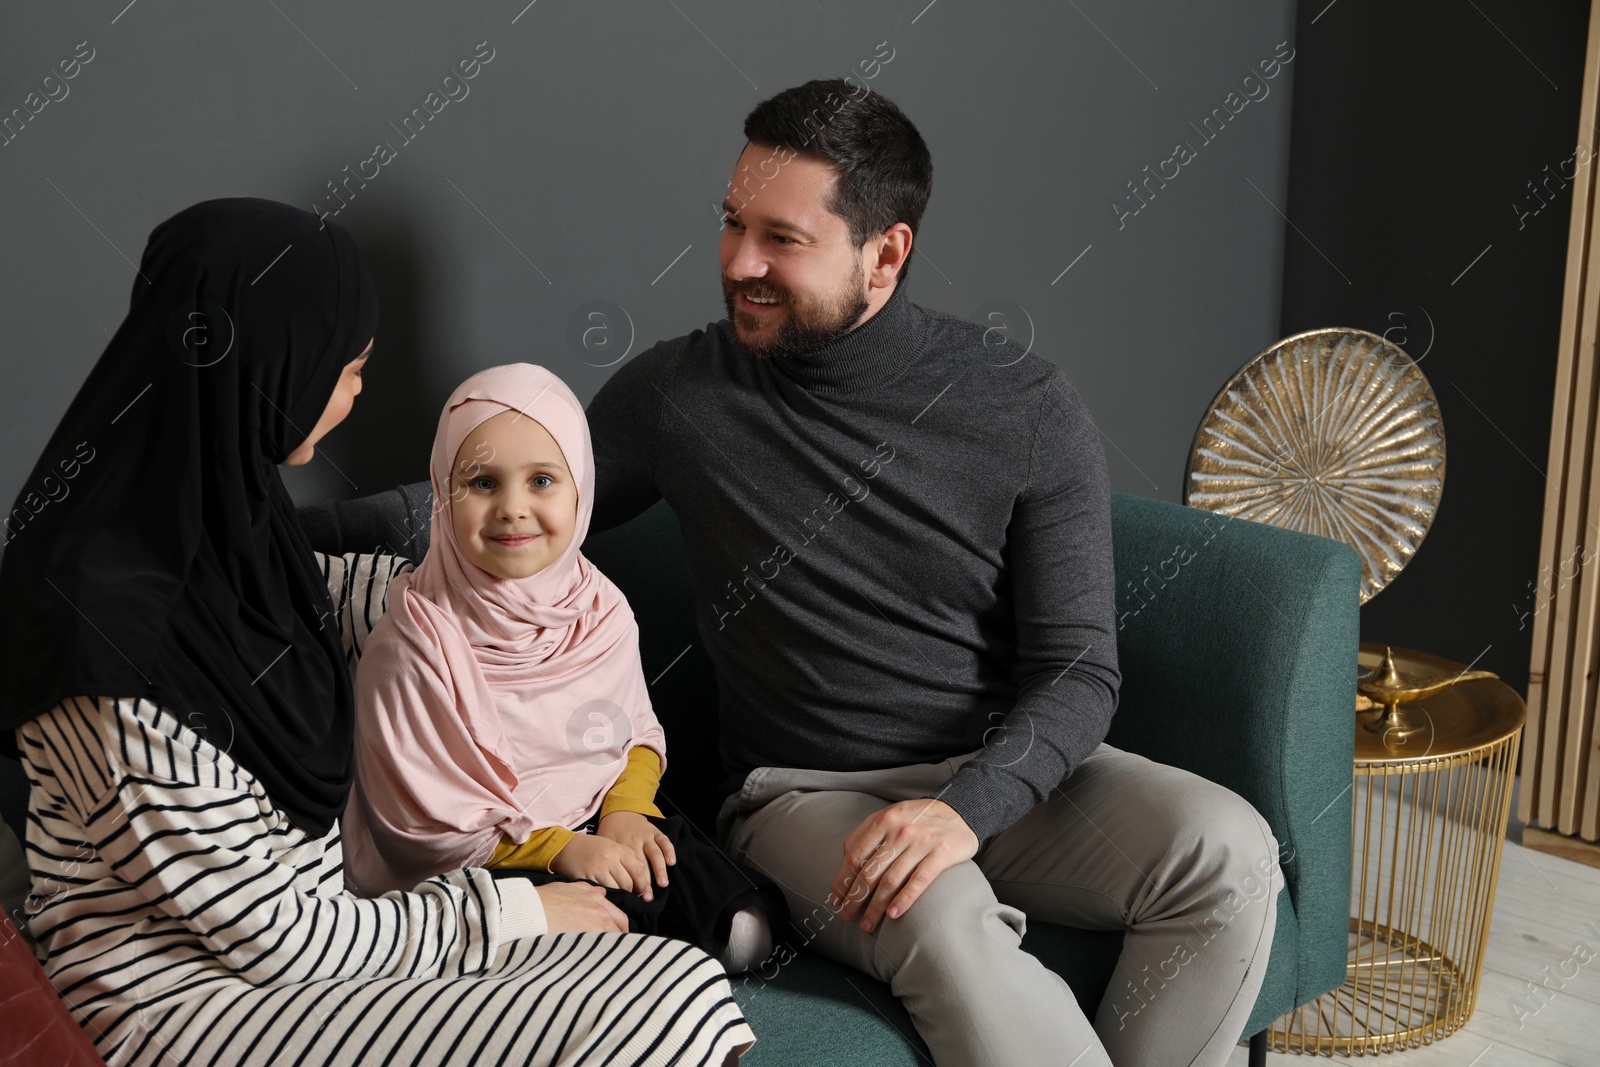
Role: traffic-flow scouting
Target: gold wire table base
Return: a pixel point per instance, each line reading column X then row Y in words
column 1402, row 988
column 1428, row 827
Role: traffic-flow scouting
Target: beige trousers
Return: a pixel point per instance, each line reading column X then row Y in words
column 1184, row 866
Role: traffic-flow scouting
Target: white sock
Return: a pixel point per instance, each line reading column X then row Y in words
column 749, row 941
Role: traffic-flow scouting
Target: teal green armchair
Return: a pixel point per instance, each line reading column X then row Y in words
column 1237, row 643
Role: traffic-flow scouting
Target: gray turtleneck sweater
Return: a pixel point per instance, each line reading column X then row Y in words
column 900, row 546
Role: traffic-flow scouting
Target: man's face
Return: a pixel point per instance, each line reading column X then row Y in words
column 791, row 279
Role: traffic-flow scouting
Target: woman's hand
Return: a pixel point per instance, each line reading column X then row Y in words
column 574, row 908
column 640, row 836
column 601, row 859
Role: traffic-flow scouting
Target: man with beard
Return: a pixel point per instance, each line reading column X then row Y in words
column 913, row 695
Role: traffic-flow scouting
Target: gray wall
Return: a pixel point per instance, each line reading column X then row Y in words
column 588, row 154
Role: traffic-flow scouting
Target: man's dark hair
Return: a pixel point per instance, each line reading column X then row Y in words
column 885, row 174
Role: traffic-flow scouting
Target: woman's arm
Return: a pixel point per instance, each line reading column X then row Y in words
column 358, row 584
column 176, row 827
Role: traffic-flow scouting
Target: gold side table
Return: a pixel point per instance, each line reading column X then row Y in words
column 1432, row 799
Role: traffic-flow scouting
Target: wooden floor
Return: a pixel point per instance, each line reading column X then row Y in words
column 1545, row 908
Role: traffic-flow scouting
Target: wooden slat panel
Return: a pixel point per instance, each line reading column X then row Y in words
column 1590, row 825
column 1539, row 782
column 1573, row 601
column 1556, row 769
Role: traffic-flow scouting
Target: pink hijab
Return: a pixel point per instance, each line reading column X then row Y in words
column 489, row 708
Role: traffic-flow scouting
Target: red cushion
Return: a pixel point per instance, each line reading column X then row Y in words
column 38, row 1029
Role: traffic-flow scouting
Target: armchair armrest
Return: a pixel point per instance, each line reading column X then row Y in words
column 1238, row 642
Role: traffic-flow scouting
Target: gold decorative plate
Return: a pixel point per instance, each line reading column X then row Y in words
column 1332, row 432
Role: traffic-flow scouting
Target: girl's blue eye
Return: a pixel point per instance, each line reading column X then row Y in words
column 546, row 477
column 484, row 483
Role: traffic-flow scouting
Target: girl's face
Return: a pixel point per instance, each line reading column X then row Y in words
column 339, row 405
column 513, row 502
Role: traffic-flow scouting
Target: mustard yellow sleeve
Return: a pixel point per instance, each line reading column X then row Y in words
column 636, row 789
column 534, row 854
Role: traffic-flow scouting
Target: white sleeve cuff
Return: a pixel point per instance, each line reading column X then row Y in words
column 521, row 910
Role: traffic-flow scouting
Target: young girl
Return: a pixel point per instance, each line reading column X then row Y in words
column 503, row 720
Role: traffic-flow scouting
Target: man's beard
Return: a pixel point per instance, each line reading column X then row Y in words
column 807, row 324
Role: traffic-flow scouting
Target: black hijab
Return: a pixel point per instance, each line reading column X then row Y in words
column 153, row 551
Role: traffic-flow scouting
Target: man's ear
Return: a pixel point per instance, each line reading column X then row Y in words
column 889, row 251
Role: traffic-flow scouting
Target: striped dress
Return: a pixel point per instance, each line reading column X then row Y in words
column 185, row 920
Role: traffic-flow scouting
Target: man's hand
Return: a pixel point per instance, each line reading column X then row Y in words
column 600, row 859
column 894, row 855
column 639, row 834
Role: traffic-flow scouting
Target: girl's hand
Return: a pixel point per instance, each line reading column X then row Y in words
column 573, row 908
column 600, row 859
column 640, row 835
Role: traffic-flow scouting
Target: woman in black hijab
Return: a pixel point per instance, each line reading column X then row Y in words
column 175, row 668
column 174, row 568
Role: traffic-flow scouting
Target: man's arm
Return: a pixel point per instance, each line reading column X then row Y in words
column 624, row 424
column 1063, row 587
column 393, row 522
